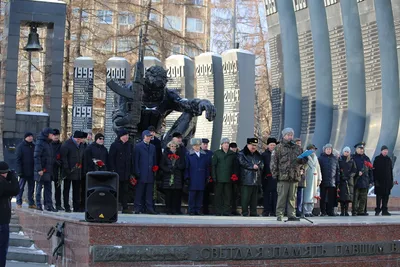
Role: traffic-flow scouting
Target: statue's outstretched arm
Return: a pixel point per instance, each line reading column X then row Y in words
column 194, row 106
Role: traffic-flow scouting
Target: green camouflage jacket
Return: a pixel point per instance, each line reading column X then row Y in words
column 285, row 166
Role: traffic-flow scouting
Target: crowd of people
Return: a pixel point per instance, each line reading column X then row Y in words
column 290, row 181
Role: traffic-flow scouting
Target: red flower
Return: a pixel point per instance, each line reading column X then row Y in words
column 234, row 178
column 100, row 163
column 338, row 190
column 269, row 175
column 396, row 182
column 317, row 197
column 133, row 181
column 173, row 156
column 58, row 157
column 210, row 180
column 155, row 168
column 78, row 166
column 368, row 164
column 44, row 170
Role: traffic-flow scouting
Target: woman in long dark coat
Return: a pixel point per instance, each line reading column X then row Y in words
column 348, row 170
column 172, row 166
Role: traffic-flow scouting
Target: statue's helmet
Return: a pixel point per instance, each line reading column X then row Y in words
column 156, row 77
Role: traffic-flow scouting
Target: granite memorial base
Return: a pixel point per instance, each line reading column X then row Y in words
column 148, row 240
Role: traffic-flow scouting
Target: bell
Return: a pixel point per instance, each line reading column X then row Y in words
column 33, row 41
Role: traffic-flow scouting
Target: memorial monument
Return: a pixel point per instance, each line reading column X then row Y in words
column 238, row 67
column 18, row 14
column 82, row 101
column 118, row 69
column 210, row 85
column 147, row 102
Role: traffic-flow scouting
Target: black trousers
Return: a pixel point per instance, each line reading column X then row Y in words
column 328, row 199
column 83, row 191
column 57, row 193
column 382, row 203
column 178, row 203
column 206, row 198
column 76, row 194
column 235, row 196
column 123, row 194
column 172, row 197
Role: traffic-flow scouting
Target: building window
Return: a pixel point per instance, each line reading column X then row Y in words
column 330, row 2
column 195, row 25
column 106, row 46
column 176, row 49
column 104, row 16
column 270, row 6
column 191, row 52
column 152, row 48
column 198, row 2
column 126, row 18
column 85, row 15
column 299, row 4
column 155, row 18
column 173, row 23
column 124, row 45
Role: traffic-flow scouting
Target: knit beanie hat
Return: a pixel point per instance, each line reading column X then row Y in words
column 287, row 131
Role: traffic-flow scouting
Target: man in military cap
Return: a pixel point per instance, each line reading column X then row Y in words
column 362, row 181
column 251, row 166
column 287, row 168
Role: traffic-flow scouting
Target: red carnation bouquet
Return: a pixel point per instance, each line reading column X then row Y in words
column 44, row 170
column 77, row 166
column 210, row 180
column 58, row 157
column 234, row 178
column 395, row 182
column 368, row 165
column 133, row 181
column 173, row 157
column 317, row 197
column 155, row 168
column 98, row 163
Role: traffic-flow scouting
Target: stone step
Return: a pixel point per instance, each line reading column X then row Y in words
column 15, row 228
column 17, row 240
column 24, row 254
column 25, row 264
column 14, row 219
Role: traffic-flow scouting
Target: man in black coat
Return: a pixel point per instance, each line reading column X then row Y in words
column 383, row 179
column 72, row 156
column 8, row 188
column 56, row 146
column 25, row 170
column 44, row 161
column 235, row 186
column 269, row 184
column 155, row 142
column 120, row 160
column 94, row 159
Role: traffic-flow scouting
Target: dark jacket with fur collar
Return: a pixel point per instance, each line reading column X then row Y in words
column 247, row 160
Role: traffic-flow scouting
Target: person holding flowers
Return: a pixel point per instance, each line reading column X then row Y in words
column 43, row 166
column 96, row 155
column 145, row 169
column 172, row 166
column 223, row 161
column 313, row 180
column 56, row 146
column 71, row 158
column 362, row 180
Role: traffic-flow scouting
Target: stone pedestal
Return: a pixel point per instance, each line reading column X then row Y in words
column 210, row 85
column 238, row 68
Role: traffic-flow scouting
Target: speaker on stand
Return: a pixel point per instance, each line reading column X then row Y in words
column 101, row 197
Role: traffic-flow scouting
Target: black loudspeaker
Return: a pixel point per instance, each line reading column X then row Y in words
column 101, row 197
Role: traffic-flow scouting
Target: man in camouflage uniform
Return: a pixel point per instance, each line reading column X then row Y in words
column 287, row 168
